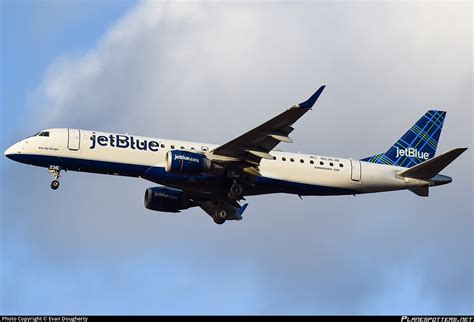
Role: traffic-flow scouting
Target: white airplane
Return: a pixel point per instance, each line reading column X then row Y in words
column 216, row 178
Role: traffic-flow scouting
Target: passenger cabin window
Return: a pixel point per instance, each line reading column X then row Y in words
column 331, row 164
column 341, row 165
column 274, row 158
column 45, row 133
column 162, row 146
column 311, row 162
column 292, row 160
column 183, row 148
column 301, row 160
column 321, row 162
column 283, row 159
column 172, row 147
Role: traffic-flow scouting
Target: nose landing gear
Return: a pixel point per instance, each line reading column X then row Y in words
column 55, row 184
column 56, row 172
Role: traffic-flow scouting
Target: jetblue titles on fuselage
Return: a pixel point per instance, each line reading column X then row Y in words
column 124, row 142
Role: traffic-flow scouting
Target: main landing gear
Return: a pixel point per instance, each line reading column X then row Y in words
column 220, row 216
column 56, row 172
column 236, row 191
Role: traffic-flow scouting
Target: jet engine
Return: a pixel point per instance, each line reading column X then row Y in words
column 184, row 162
column 166, row 200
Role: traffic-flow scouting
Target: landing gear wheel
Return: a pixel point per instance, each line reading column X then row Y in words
column 220, row 216
column 55, row 184
column 236, row 191
column 56, row 172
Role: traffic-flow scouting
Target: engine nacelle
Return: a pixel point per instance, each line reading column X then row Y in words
column 166, row 200
column 184, row 162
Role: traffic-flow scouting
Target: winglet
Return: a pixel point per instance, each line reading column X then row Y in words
column 310, row 102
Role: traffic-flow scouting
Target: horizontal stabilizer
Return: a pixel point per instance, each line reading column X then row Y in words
column 430, row 168
column 421, row 191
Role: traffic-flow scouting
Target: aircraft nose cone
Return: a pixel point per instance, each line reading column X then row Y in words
column 11, row 151
column 8, row 152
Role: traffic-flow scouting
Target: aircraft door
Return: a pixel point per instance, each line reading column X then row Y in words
column 74, row 139
column 355, row 170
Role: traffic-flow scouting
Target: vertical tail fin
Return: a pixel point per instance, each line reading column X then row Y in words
column 418, row 144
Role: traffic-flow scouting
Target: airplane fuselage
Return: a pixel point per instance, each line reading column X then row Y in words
column 144, row 157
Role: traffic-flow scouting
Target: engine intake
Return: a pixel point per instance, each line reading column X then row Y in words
column 166, row 200
column 184, row 162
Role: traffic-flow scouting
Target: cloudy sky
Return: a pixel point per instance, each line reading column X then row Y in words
column 209, row 72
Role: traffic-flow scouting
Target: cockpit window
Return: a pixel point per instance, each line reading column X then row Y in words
column 44, row 133
column 36, row 134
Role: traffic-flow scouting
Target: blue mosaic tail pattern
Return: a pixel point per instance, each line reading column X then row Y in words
column 418, row 144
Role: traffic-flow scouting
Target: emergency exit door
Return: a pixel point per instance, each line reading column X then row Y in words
column 355, row 170
column 74, row 139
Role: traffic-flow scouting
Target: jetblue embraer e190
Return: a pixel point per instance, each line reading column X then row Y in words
column 217, row 178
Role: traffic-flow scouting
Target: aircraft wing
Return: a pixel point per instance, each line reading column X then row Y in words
column 255, row 145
